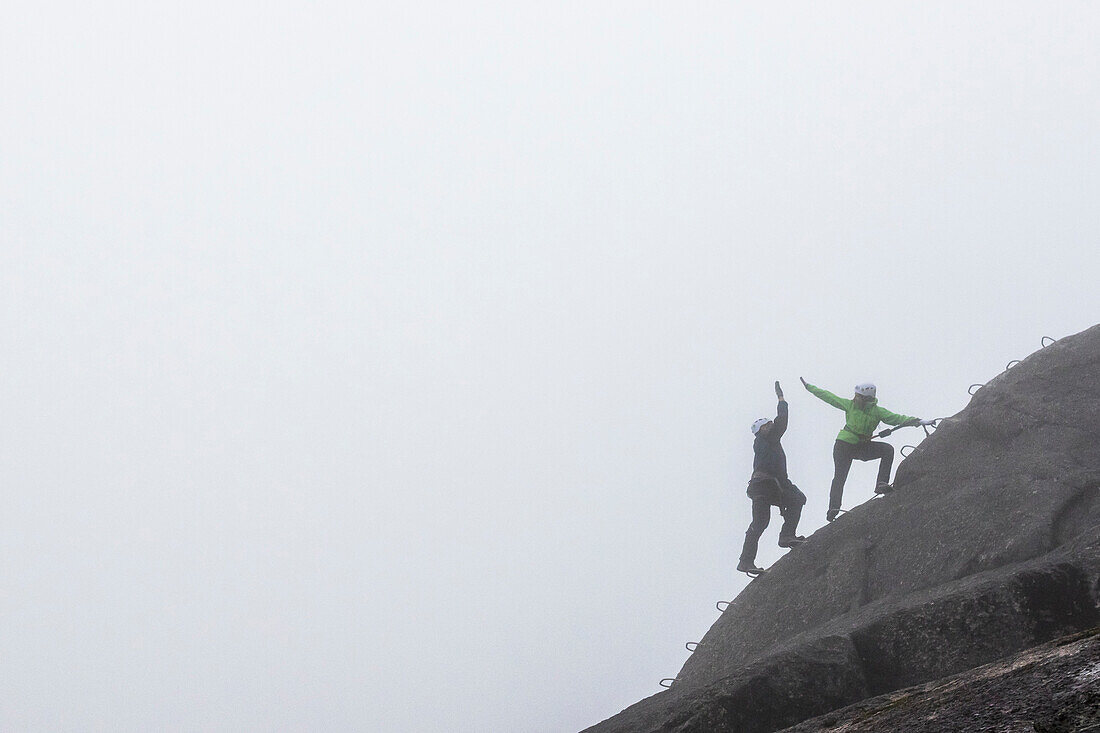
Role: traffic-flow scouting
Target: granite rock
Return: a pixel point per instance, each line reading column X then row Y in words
column 989, row 545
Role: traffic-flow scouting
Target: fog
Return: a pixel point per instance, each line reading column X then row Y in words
column 390, row 367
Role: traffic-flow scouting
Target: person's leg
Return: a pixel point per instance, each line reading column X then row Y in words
column 761, row 516
column 885, row 452
column 842, row 463
column 793, row 501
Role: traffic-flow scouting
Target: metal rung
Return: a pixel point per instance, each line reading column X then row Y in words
column 1011, row 364
column 670, row 681
column 1043, row 341
column 911, row 449
column 718, row 605
column 971, row 389
column 691, row 646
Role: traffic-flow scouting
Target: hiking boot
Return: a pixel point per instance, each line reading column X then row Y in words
column 883, row 488
column 791, row 541
column 831, row 514
column 749, row 568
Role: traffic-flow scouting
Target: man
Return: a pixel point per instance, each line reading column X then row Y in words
column 770, row 486
column 862, row 415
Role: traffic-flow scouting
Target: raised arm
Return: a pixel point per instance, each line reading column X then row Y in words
column 779, row 425
column 826, row 396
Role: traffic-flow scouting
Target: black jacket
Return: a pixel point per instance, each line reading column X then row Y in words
column 769, row 457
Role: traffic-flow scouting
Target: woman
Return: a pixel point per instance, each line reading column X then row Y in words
column 862, row 415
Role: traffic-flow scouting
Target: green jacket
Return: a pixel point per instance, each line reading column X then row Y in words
column 860, row 422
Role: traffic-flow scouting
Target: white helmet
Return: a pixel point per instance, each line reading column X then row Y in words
column 866, row 389
column 759, row 424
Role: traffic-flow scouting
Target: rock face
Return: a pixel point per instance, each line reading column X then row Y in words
column 1053, row 688
column 989, row 545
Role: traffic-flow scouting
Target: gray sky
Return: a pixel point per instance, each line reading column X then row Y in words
column 389, row 366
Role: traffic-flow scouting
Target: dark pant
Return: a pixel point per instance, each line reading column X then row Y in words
column 845, row 453
column 766, row 493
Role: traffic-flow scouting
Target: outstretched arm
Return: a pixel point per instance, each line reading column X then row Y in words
column 779, row 425
column 892, row 418
column 826, row 396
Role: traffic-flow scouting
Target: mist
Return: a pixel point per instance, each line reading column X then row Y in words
column 391, row 368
